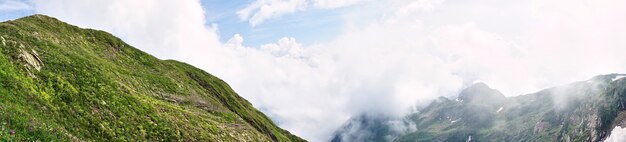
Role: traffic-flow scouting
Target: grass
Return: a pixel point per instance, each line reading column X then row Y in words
column 94, row 87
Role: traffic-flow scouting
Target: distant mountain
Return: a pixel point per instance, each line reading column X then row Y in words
column 59, row 82
column 580, row 111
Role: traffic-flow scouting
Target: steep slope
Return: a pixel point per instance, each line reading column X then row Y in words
column 581, row 111
column 59, row 82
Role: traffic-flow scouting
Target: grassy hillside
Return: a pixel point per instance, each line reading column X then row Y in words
column 59, row 82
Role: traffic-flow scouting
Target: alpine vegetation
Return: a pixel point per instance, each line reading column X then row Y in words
column 63, row 83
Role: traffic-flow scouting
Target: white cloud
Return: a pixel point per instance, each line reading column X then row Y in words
column 235, row 42
column 410, row 52
column 262, row 10
column 286, row 47
column 330, row 4
column 13, row 5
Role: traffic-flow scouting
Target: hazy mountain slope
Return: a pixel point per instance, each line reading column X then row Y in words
column 61, row 82
column 581, row 111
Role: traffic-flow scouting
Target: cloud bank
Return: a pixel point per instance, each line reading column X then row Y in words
column 392, row 56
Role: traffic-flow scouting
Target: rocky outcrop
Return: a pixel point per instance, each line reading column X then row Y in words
column 32, row 61
column 4, row 42
column 540, row 127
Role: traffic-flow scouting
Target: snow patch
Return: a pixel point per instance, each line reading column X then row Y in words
column 454, row 121
column 500, row 109
column 618, row 77
column 617, row 135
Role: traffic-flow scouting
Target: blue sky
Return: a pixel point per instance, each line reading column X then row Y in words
column 8, row 15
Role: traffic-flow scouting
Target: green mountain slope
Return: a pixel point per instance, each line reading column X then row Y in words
column 59, row 82
column 580, row 111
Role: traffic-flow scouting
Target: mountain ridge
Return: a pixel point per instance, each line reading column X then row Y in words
column 481, row 94
column 64, row 83
column 580, row 111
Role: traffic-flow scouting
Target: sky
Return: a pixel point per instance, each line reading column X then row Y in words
column 311, row 65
